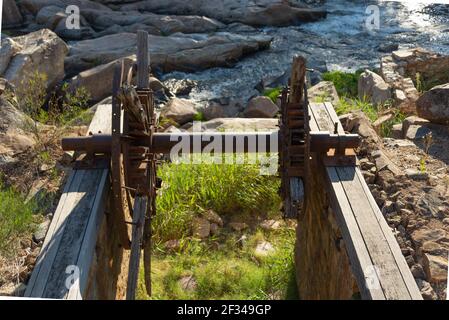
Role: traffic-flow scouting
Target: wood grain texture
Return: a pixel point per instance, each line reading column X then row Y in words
column 71, row 237
column 140, row 206
column 376, row 259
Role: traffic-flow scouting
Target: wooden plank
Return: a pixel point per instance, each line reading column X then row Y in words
column 361, row 262
column 140, row 206
column 322, row 118
column 393, row 244
column 52, row 240
column 65, row 238
column 371, row 245
column 334, row 117
column 86, row 253
column 312, row 122
column 390, row 277
column 44, row 249
column 70, row 243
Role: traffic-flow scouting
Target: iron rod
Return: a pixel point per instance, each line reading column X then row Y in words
column 224, row 142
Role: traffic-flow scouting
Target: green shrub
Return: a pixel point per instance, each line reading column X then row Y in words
column 345, row 83
column 57, row 108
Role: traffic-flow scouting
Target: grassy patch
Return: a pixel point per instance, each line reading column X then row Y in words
column 273, row 93
column 16, row 218
column 346, row 105
column 372, row 111
column 223, row 266
column 223, row 269
column 228, row 189
column 345, row 83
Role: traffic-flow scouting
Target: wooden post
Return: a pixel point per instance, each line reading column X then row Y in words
column 143, row 60
column 143, row 82
column 297, row 79
column 140, row 205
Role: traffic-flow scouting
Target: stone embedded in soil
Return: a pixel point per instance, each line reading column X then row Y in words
column 426, row 290
column 187, row 283
column 418, row 271
column 396, row 131
column 173, row 244
column 200, row 228
column 434, row 248
column 270, row 224
column 213, row 217
column 263, row 249
column 371, row 86
column 425, row 234
column 238, row 226
column 416, row 175
column 417, row 132
column 41, row 231
column 436, row 268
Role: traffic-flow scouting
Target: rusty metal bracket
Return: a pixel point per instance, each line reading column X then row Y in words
column 335, row 159
column 89, row 161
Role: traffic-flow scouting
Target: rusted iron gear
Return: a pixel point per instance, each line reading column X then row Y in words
column 294, row 147
column 133, row 166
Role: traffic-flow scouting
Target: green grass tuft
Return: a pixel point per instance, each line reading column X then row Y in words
column 16, row 218
column 199, row 116
column 346, row 105
column 345, row 83
column 273, row 94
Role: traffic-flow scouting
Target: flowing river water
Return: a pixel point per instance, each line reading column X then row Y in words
column 342, row 41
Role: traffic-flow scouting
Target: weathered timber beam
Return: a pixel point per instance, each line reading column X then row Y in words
column 239, row 142
column 68, row 251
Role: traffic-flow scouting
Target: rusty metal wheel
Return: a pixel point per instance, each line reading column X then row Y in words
column 294, row 141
